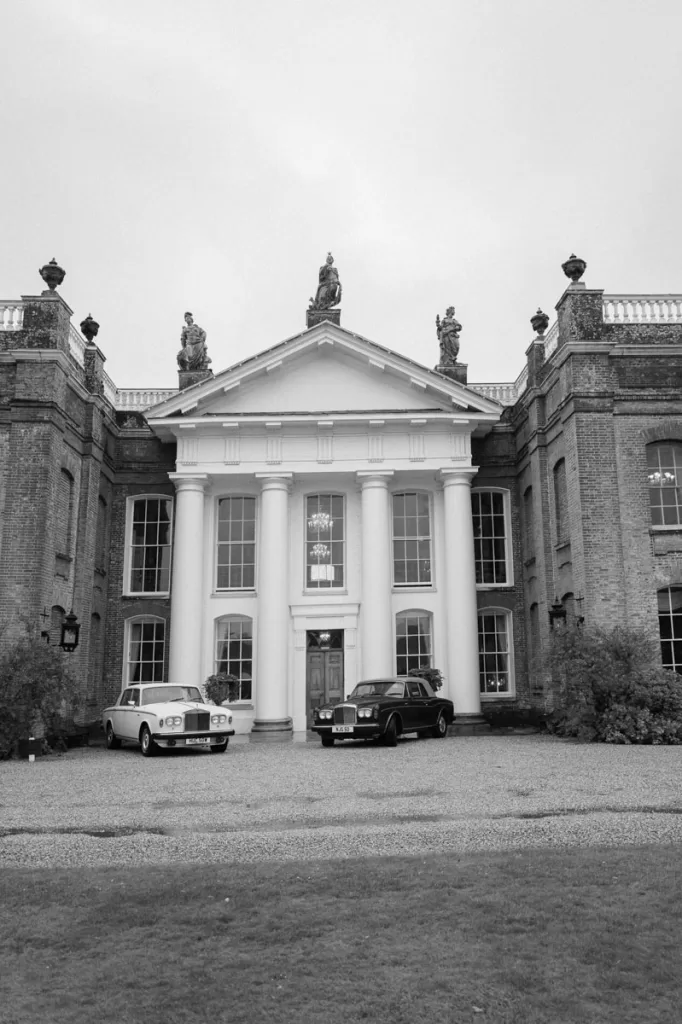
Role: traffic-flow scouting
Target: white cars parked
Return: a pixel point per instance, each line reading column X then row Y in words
column 166, row 715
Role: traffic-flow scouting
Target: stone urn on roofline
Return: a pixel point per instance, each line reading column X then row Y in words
column 53, row 275
column 574, row 268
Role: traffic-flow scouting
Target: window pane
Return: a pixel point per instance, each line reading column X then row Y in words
column 670, row 627
column 411, row 539
column 664, row 474
column 233, row 651
column 150, row 545
column 325, row 536
column 235, row 559
column 493, row 646
column 145, row 653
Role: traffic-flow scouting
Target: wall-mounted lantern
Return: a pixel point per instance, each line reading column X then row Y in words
column 70, row 631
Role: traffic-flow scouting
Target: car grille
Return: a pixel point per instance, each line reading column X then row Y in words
column 344, row 715
column 197, row 720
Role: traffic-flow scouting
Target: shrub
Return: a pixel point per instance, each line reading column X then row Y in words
column 37, row 692
column 222, row 687
column 609, row 686
column 433, row 676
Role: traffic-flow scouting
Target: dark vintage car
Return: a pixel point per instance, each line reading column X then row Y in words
column 384, row 709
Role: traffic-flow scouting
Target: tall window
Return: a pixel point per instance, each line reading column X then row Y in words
column 411, row 540
column 150, row 545
column 145, row 647
column 325, row 540
column 528, row 521
column 494, row 652
column 670, row 627
column 413, row 641
column 64, row 510
column 561, row 502
column 490, row 537
column 234, row 651
column 237, row 544
column 664, row 472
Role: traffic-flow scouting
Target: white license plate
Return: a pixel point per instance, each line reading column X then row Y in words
column 342, row 728
column 197, row 739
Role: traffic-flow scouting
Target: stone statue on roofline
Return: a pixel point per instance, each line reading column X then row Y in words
column 447, row 331
column 193, row 354
column 329, row 289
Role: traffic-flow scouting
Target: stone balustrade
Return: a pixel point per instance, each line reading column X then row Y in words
column 551, row 339
column 11, row 316
column 139, row 399
column 505, row 394
column 642, row 309
column 77, row 345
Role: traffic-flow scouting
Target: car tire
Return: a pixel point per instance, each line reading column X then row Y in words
column 147, row 744
column 327, row 741
column 113, row 742
column 391, row 732
column 440, row 729
column 219, row 748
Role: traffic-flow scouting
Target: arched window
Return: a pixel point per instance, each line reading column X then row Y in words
column 494, row 652
column 670, row 627
column 236, row 557
column 64, row 517
column 413, row 641
column 411, row 540
column 145, row 646
column 149, row 544
column 234, row 651
column 561, row 502
column 325, row 541
column 664, row 475
column 57, row 614
column 490, row 511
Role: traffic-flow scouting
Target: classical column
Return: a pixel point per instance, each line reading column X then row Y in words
column 375, row 611
column 272, row 653
column 460, row 596
column 187, row 580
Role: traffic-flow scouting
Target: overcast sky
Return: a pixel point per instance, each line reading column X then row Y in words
column 206, row 155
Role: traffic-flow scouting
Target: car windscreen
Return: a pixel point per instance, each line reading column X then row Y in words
column 159, row 694
column 387, row 689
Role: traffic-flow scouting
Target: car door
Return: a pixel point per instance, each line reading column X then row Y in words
column 418, row 707
column 128, row 714
column 430, row 706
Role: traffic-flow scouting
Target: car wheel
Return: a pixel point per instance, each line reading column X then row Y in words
column 327, row 741
column 113, row 743
column 391, row 733
column 440, row 729
column 147, row 744
column 219, row 748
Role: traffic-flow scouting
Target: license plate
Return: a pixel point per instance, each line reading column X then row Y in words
column 198, row 739
column 342, row 728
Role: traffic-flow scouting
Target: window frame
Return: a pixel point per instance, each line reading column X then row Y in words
column 218, row 543
column 656, row 446
column 331, row 589
column 416, row 612
column 411, row 585
column 675, row 666
column 236, row 617
column 508, row 551
column 129, row 623
column 509, row 617
column 560, row 498
column 128, row 554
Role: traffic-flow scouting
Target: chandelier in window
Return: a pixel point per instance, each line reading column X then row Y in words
column 662, row 478
column 320, row 551
column 320, row 521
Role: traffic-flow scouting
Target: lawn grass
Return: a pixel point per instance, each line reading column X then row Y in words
column 533, row 937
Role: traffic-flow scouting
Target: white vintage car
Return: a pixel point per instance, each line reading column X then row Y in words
column 166, row 715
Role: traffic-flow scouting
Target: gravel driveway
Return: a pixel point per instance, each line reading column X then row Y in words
column 291, row 801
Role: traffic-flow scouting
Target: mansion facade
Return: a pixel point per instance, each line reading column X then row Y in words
column 328, row 510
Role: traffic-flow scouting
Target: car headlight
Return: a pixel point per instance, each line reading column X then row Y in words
column 364, row 713
column 216, row 719
column 171, row 720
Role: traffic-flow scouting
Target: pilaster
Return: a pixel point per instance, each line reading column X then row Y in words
column 187, row 580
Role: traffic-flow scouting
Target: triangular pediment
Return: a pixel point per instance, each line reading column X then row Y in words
column 322, row 371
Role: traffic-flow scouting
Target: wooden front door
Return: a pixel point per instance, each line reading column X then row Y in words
column 324, row 668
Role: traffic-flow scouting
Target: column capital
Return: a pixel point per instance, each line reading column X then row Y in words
column 374, row 478
column 196, row 482
column 462, row 477
column 275, row 481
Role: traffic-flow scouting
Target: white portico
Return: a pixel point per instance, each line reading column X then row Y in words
column 323, row 525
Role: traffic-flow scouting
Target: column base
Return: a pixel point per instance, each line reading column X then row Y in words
column 272, row 730
column 469, row 725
